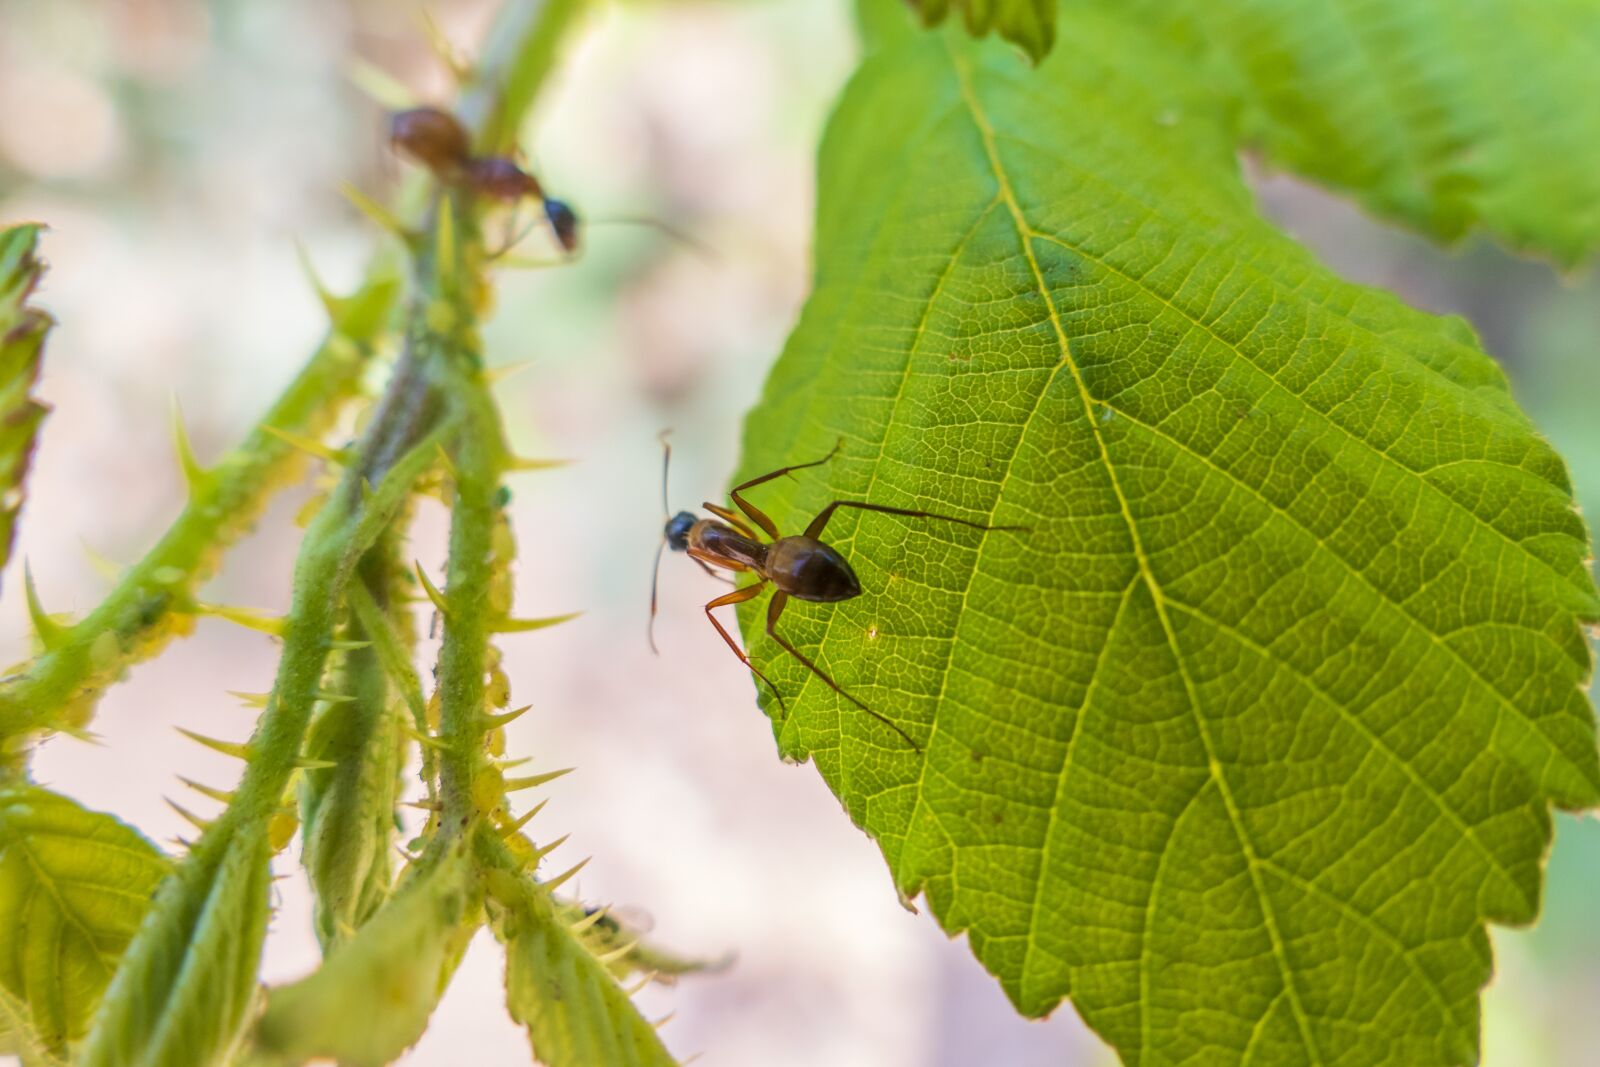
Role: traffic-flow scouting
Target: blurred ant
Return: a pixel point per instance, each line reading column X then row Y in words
column 438, row 141
column 799, row 566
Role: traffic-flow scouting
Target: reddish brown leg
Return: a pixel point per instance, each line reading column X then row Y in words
column 774, row 610
column 739, row 596
column 756, row 514
column 815, row 529
column 729, row 515
column 719, row 577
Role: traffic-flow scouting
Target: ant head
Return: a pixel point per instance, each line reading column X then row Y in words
column 677, row 531
column 432, row 137
column 564, row 222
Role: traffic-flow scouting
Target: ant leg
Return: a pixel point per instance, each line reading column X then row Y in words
column 815, row 529
column 719, row 577
column 729, row 515
column 756, row 513
column 739, row 596
column 775, row 609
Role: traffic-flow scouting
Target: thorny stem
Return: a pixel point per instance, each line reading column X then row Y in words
column 153, row 600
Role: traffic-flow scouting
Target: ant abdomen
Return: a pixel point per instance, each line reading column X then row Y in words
column 434, row 138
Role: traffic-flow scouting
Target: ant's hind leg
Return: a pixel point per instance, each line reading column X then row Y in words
column 729, row 515
column 739, row 596
column 756, row 514
column 774, row 610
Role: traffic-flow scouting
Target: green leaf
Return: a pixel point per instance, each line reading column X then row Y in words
column 74, row 885
column 1028, row 23
column 1447, row 114
column 348, row 810
column 371, row 998
column 22, row 333
column 1242, row 742
column 188, row 979
column 575, row 1011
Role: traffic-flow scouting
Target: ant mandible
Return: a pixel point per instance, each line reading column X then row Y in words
column 438, row 141
column 799, row 566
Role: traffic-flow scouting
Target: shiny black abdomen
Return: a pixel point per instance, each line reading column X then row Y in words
column 807, row 569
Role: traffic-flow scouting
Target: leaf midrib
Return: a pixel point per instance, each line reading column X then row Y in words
column 1024, row 239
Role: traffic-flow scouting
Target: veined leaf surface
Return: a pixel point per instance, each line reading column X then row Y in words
column 74, row 885
column 22, row 333
column 1242, row 742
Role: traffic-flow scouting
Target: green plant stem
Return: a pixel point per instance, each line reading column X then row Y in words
column 154, row 600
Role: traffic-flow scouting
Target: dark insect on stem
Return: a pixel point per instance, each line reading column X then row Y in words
column 799, row 566
column 437, row 140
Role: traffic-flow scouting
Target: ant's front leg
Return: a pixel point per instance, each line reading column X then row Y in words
column 739, row 596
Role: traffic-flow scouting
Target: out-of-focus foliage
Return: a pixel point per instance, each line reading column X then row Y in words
column 1028, row 23
column 22, row 333
column 1242, row 742
column 74, row 886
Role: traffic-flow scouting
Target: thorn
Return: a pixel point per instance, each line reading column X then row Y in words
column 514, row 784
column 589, row 920
column 329, row 697
column 606, row 959
column 440, row 45
column 649, row 976
column 511, row 764
column 222, row 796
column 106, row 568
column 227, row 748
column 665, row 1019
column 349, row 646
column 190, row 817
column 522, row 626
column 561, row 879
column 495, row 375
column 422, row 805
column 310, row 446
column 50, row 632
column 494, row 722
column 250, row 700
column 433, row 592
column 372, row 210
column 447, row 464
column 272, row 625
column 379, row 85
column 539, row 854
column 507, row 831
column 421, row 738
column 306, row 764
column 194, row 475
column 537, row 464
column 333, row 305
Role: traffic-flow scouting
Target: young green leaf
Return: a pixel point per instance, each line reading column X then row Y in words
column 1245, row 738
column 348, row 808
column 1028, row 23
column 575, row 1011
column 74, row 885
column 1448, row 114
column 183, row 988
column 22, row 332
column 371, row 999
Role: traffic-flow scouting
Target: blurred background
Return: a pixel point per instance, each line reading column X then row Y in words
column 179, row 148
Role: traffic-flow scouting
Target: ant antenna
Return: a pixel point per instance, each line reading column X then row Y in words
column 682, row 237
column 666, row 511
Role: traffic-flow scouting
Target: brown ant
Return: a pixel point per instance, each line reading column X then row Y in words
column 798, row 566
column 438, row 141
